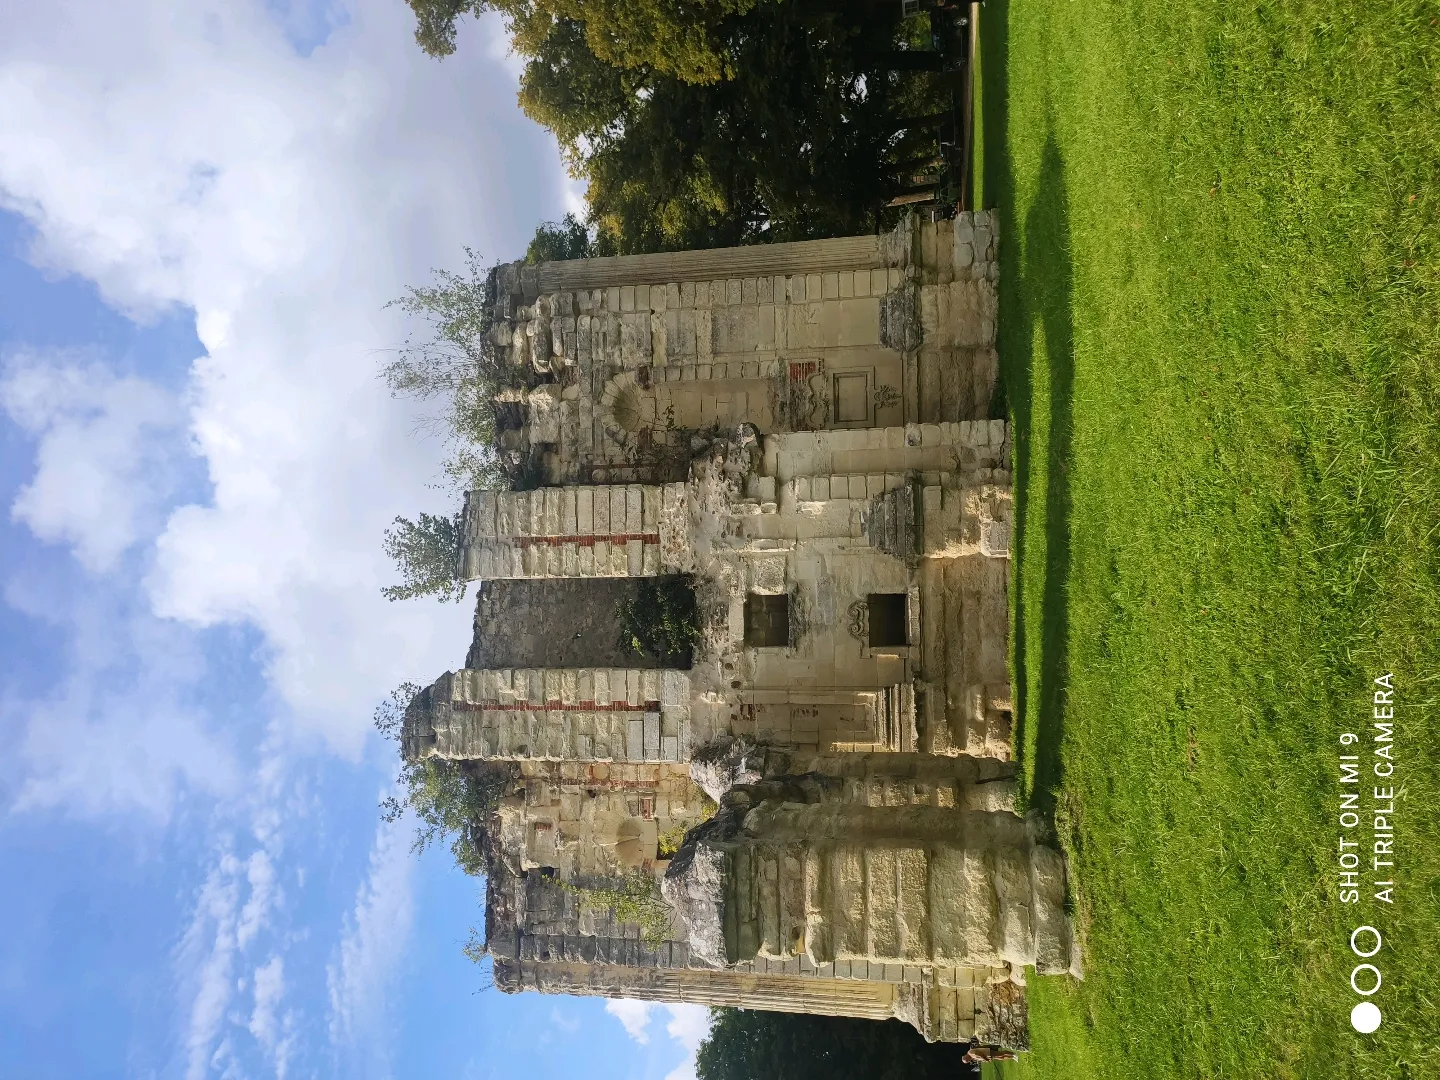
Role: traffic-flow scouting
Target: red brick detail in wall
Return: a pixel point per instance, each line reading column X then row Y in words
column 584, row 541
column 612, row 783
column 553, row 706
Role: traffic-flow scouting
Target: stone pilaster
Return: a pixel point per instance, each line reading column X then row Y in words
column 620, row 530
column 800, row 257
column 556, row 714
column 791, row 867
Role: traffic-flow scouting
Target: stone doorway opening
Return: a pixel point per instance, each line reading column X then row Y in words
column 556, row 623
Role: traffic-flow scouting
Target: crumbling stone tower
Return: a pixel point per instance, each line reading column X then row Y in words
column 801, row 429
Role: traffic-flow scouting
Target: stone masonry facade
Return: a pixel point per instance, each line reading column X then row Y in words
column 824, row 797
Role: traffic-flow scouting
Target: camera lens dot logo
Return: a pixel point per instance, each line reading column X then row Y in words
column 1365, row 1017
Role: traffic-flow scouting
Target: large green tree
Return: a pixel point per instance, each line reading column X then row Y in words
column 720, row 122
column 675, row 37
column 753, row 1045
column 801, row 141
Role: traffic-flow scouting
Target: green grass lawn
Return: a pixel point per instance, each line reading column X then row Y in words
column 1220, row 335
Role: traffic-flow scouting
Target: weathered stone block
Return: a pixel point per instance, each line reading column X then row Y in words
column 704, row 334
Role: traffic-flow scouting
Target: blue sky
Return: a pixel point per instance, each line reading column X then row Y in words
column 203, row 210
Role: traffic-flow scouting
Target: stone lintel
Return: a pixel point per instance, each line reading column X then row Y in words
column 799, row 257
column 716, row 987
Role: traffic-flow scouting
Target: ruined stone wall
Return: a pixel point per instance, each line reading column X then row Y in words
column 908, row 869
column 955, row 365
column 803, row 430
column 830, row 519
column 879, row 779
column 594, row 821
column 927, row 518
column 546, row 937
column 556, row 714
column 933, row 528
column 558, row 622
column 795, row 257
column 534, row 917
column 986, row 897
column 864, row 332
column 619, row 530
column 952, row 1005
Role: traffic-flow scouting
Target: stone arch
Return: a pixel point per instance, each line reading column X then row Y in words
column 630, row 848
column 628, row 407
column 634, row 408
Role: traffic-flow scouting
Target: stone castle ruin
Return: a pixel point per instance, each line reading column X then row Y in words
column 823, row 799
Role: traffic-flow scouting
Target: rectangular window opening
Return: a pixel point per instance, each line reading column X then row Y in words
column 888, row 622
column 852, row 398
column 767, row 620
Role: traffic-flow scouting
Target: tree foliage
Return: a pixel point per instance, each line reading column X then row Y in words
column 676, row 39
column 555, row 241
column 455, row 365
column 669, row 841
column 426, row 552
column 435, row 23
column 752, row 1045
column 661, row 620
column 722, row 122
column 450, row 799
column 801, row 140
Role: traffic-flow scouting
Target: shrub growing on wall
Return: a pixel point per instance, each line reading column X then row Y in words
column 662, row 620
column 425, row 552
column 636, row 899
column 451, row 800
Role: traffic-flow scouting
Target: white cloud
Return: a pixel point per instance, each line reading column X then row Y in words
column 687, row 1026
column 122, row 730
column 103, row 459
column 634, row 1016
column 368, row 956
column 260, row 872
column 269, row 984
column 191, row 156
column 275, row 1036
column 207, row 953
column 217, row 963
column 247, row 971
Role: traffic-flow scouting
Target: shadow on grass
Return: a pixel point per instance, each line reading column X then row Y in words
column 1047, row 285
column 1036, row 286
column 997, row 183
